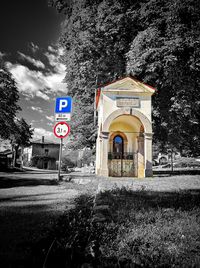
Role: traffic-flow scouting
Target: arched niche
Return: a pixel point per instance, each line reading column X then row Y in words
column 144, row 120
column 113, row 135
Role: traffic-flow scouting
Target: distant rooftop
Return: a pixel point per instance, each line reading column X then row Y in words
column 43, row 140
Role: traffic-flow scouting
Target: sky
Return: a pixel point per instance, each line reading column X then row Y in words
column 29, row 46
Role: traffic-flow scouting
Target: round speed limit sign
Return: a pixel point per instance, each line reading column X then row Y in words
column 61, row 130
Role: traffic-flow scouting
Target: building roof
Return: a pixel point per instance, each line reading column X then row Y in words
column 6, row 152
column 135, row 82
column 127, row 77
column 46, row 141
column 127, row 82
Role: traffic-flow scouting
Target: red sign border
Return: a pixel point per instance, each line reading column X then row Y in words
column 61, row 123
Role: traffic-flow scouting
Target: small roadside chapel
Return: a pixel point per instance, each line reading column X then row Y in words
column 124, row 141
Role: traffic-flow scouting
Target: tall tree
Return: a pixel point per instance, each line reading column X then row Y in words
column 20, row 137
column 16, row 130
column 95, row 36
column 8, row 102
column 157, row 41
column 166, row 53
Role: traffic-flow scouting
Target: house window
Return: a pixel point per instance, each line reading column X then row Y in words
column 46, row 152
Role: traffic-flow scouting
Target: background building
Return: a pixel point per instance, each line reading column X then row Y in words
column 42, row 154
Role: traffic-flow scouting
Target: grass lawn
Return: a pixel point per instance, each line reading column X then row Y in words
column 127, row 228
column 19, row 232
column 152, row 229
column 28, row 212
column 187, row 162
column 150, row 223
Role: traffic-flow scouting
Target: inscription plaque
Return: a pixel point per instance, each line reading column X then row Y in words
column 128, row 102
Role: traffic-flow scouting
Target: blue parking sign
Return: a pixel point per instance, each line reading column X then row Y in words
column 63, row 105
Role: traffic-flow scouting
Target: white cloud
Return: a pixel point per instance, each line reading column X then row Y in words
column 34, row 83
column 36, row 63
column 50, row 118
column 33, row 47
column 51, row 49
column 59, row 51
column 54, row 59
column 38, row 83
column 2, row 54
column 38, row 109
column 39, row 132
column 42, row 95
column 54, row 82
column 33, row 121
column 30, row 83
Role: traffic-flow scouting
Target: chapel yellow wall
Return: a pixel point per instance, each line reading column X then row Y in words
column 107, row 106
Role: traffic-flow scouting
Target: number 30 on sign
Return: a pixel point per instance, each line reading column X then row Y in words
column 61, row 130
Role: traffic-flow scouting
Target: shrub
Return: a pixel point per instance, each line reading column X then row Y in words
column 66, row 163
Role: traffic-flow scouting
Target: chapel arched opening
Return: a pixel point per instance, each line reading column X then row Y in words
column 124, row 140
column 125, row 137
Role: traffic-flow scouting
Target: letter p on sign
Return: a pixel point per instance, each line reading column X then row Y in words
column 63, row 105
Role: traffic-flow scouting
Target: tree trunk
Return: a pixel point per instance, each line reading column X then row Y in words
column 172, row 161
column 15, row 155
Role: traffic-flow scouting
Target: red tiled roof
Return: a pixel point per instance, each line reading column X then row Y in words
column 128, row 76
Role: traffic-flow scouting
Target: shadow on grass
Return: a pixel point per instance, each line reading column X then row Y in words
column 30, row 197
column 17, row 182
column 20, row 229
column 11, row 169
column 141, row 229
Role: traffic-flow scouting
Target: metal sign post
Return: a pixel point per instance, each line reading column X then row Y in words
column 61, row 130
column 63, row 109
column 60, row 158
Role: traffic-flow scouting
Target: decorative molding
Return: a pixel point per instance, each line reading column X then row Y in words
column 148, row 136
column 104, row 135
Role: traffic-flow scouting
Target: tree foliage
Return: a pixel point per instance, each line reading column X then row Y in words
column 166, row 53
column 157, row 41
column 16, row 130
column 21, row 136
column 22, row 133
column 8, row 102
column 95, row 39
